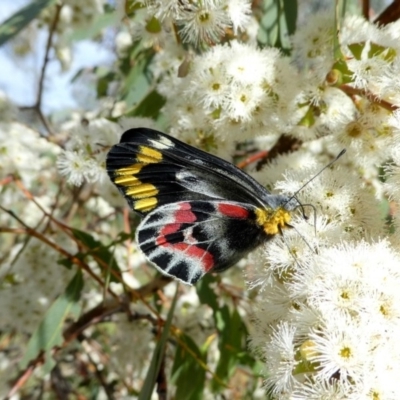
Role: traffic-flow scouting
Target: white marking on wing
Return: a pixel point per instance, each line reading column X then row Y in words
column 162, row 143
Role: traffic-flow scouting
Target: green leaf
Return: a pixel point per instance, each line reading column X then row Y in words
column 356, row 49
column 269, row 25
column 231, row 344
column 188, row 375
column 103, row 83
column 206, row 293
column 342, row 67
column 49, row 332
column 340, row 9
column 308, row 119
column 158, row 355
column 135, row 87
column 123, row 236
column 98, row 250
column 153, row 25
column 386, row 53
column 149, row 107
column 290, row 12
column 277, row 23
column 11, row 26
column 283, row 41
column 94, row 28
column 66, row 262
column 131, row 6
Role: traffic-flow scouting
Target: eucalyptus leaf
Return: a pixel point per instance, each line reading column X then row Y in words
column 18, row 21
column 158, row 354
column 49, row 332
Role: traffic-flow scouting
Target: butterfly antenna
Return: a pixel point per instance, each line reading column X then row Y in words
column 288, row 247
column 305, row 216
column 302, row 237
column 309, row 205
column 303, row 211
column 300, row 205
column 318, row 174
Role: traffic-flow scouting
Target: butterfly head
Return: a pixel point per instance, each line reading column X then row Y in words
column 273, row 219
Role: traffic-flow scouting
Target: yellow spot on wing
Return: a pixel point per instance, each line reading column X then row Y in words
column 147, row 155
column 272, row 220
column 145, row 205
column 126, row 181
column 130, row 170
column 142, row 191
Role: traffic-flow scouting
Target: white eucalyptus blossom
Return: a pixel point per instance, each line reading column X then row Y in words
column 234, row 91
column 349, row 290
column 24, row 153
column 84, row 158
column 202, row 21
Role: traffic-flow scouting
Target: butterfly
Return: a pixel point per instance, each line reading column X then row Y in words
column 200, row 212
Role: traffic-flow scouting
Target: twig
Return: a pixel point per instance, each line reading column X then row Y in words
column 100, row 376
column 53, row 26
column 285, row 144
column 351, row 91
column 91, row 317
column 389, row 14
column 25, row 375
column 365, row 9
column 68, row 230
column 55, row 246
column 260, row 155
column 59, row 384
column 38, row 104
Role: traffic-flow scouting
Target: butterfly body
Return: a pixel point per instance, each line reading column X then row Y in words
column 200, row 213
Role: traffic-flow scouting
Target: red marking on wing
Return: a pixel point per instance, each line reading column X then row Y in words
column 233, row 211
column 190, row 250
column 170, row 228
column 183, row 215
column 161, row 240
column 205, row 257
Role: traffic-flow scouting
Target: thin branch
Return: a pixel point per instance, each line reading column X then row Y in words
column 92, row 317
column 55, row 246
column 24, row 376
column 389, row 14
column 351, row 91
column 365, row 9
column 95, row 315
column 68, row 230
column 112, row 306
column 38, row 104
column 285, row 144
column 59, row 384
column 53, row 26
column 100, row 376
column 152, row 287
column 260, row 155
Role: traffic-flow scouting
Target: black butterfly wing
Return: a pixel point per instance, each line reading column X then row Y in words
column 151, row 168
column 187, row 239
column 201, row 213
